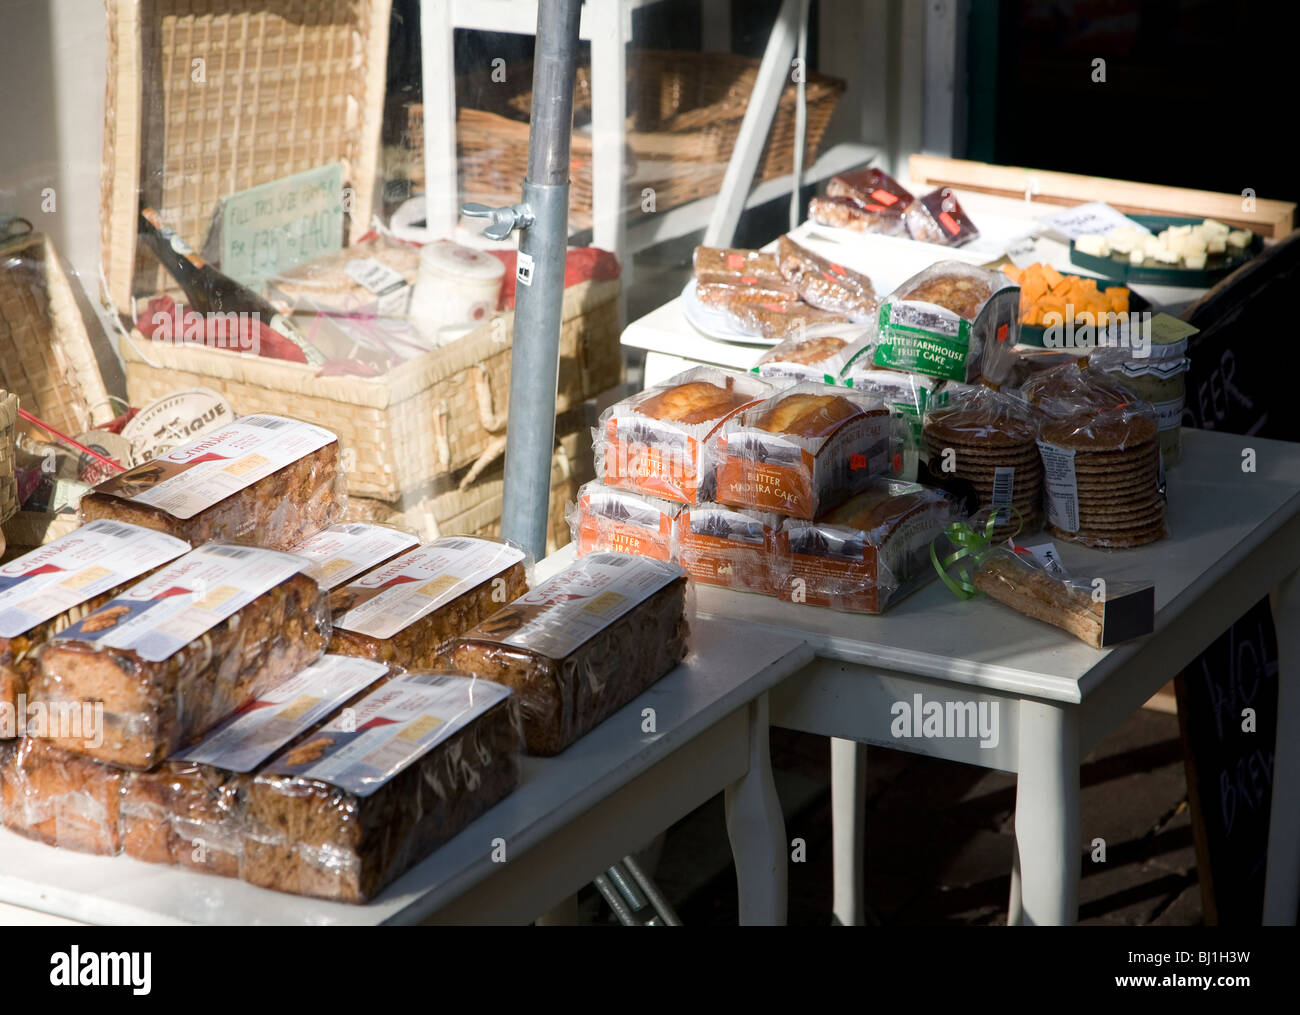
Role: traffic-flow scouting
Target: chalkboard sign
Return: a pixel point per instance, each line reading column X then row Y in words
column 1227, row 708
column 1233, row 385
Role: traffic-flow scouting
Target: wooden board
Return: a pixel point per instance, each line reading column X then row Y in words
column 1269, row 218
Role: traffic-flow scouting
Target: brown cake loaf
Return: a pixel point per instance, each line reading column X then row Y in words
column 693, row 402
column 780, row 320
column 806, row 352
column 732, row 267
column 59, row 798
column 310, row 837
column 190, row 813
column 17, row 659
column 1039, row 595
column 962, row 295
column 725, row 296
column 824, row 284
column 152, row 708
column 563, row 698
column 421, row 642
column 277, row 511
column 807, row 415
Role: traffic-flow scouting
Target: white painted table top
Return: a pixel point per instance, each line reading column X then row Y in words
column 727, row 668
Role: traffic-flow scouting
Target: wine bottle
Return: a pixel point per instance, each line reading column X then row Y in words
column 209, row 290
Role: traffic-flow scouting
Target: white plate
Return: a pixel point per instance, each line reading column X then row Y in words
column 715, row 323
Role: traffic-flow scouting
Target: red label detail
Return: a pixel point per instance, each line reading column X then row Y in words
column 873, row 207
column 884, row 197
column 838, row 269
column 898, row 463
column 735, row 261
column 776, row 308
column 1002, row 332
column 949, row 223
column 857, row 462
column 750, row 280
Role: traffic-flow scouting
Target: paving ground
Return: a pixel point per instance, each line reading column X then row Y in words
column 940, row 838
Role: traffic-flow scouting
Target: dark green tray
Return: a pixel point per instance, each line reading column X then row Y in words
column 1032, row 334
column 1118, row 268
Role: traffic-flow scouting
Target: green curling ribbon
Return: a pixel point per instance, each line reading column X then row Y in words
column 972, row 544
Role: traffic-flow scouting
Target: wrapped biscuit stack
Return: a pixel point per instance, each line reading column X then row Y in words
column 1103, row 476
column 987, row 440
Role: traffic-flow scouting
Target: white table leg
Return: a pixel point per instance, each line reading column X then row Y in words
column 756, row 828
column 609, row 138
column 848, row 828
column 1047, row 813
column 1282, row 877
column 1015, row 904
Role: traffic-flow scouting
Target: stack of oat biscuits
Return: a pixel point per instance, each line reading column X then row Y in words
column 1103, row 477
column 992, row 440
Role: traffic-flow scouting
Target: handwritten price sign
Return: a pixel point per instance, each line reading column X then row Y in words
column 271, row 228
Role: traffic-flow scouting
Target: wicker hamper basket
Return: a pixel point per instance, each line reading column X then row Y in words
column 686, row 111
column 209, row 97
column 425, row 418
column 8, row 480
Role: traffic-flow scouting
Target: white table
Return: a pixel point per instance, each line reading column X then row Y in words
column 1235, row 537
column 571, row 818
column 672, row 344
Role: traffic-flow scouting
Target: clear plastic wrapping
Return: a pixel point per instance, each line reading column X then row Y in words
column 190, row 812
column 804, row 359
column 804, row 450
column 52, row 587
column 826, row 285
column 1099, row 614
column 867, row 200
column 735, row 267
column 729, row 296
column 937, row 217
column 660, row 441
column 264, row 480
column 406, row 612
column 952, row 320
column 868, row 553
column 908, row 397
column 982, row 446
column 371, row 278
column 177, row 653
column 1068, row 388
column 582, row 645
column 347, row 550
column 60, row 798
column 770, row 319
column 449, row 747
column 605, row 519
column 727, row 546
column 1102, row 472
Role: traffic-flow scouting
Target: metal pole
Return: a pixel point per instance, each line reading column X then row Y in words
column 534, row 370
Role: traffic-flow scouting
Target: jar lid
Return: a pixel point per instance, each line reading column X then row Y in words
column 1163, row 368
column 447, row 258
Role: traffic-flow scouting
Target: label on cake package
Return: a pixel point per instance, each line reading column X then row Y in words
column 194, row 476
column 392, row 289
column 388, row 730
column 1062, row 491
column 398, row 594
column 1047, row 555
column 262, row 727
column 341, row 552
column 87, row 562
column 575, row 605
column 159, row 616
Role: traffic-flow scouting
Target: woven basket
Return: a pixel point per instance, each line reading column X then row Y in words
column 424, row 419
column 287, row 85
column 687, row 110
column 27, row 530
column 8, row 481
column 46, row 356
column 476, row 510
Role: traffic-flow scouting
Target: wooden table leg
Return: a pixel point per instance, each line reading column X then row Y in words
column 756, row 828
column 1047, row 813
column 1282, row 876
column 848, row 828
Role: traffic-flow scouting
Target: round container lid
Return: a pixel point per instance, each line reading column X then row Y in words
column 452, row 260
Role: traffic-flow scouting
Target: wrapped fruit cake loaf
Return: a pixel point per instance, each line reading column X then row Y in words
column 175, row 654
column 45, row 591
column 60, row 798
column 349, row 549
column 407, row 611
column 360, row 801
column 190, row 810
column 582, row 645
column 264, row 480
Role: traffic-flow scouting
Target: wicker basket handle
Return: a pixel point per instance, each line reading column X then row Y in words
column 440, row 441
column 493, row 421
